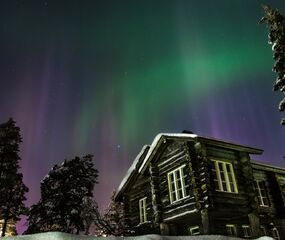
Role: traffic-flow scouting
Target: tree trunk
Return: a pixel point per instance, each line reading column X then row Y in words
column 87, row 230
column 4, row 226
column 6, row 216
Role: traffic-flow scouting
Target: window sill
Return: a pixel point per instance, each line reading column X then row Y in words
column 264, row 206
column 144, row 223
column 178, row 201
column 226, row 192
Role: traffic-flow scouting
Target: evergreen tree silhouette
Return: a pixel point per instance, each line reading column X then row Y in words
column 12, row 188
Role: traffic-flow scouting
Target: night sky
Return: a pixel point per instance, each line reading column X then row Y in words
column 104, row 77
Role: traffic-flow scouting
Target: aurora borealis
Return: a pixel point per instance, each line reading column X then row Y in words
column 104, row 77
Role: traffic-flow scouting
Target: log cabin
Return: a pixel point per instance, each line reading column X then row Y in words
column 185, row 184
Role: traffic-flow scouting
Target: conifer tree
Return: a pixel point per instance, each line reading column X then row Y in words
column 276, row 37
column 65, row 192
column 12, row 188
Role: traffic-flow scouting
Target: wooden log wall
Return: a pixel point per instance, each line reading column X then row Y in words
column 263, row 176
column 155, row 192
column 139, row 190
column 276, row 195
column 126, row 212
column 248, row 180
column 228, row 205
column 175, row 155
column 203, row 181
column 220, row 226
column 281, row 183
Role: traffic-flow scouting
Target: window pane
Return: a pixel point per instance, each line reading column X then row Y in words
column 173, row 194
column 142, row 210
column 182, row 172
column 232, row 187
column 171, row 177
column 177, row 174
column 261, row 191
column 179, row 184
column 265, row 201
column 220, row 166
column 180, row 194
column 216, row 184
column 230, row 176
column 222, row 176
column 176, row 184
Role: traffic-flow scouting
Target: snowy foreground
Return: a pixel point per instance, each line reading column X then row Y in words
column 65, row 236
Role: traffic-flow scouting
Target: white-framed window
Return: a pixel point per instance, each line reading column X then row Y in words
column 194, row 230
column 246, row 231
column 281, row 182
column 231, row 229
column 176, row 184
column 142, row 208
column 275, row 233
column 225, row 180
column 261, row 193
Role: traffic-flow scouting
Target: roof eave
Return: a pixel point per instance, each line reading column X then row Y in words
column 130, row 173
column 230, row 145
column 267, row 167
column 158, row 140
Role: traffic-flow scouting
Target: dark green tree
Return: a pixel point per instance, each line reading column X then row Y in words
column 66, row 193
column 276, row 37
column 12, row 188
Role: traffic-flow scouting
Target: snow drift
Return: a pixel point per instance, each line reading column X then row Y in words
column 65, row 236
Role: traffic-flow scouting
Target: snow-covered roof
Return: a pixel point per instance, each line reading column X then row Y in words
column 131, row 170
column 140, row 163
column 157, row 141
column 155, row 144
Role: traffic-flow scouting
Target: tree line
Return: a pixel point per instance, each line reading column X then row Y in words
column 67, row 203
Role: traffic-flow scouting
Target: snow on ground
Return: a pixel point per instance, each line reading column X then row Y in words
column 65, row 236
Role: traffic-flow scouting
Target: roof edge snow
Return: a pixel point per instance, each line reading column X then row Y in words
column 140, row 163
column 156, row 143
column 131, row 171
